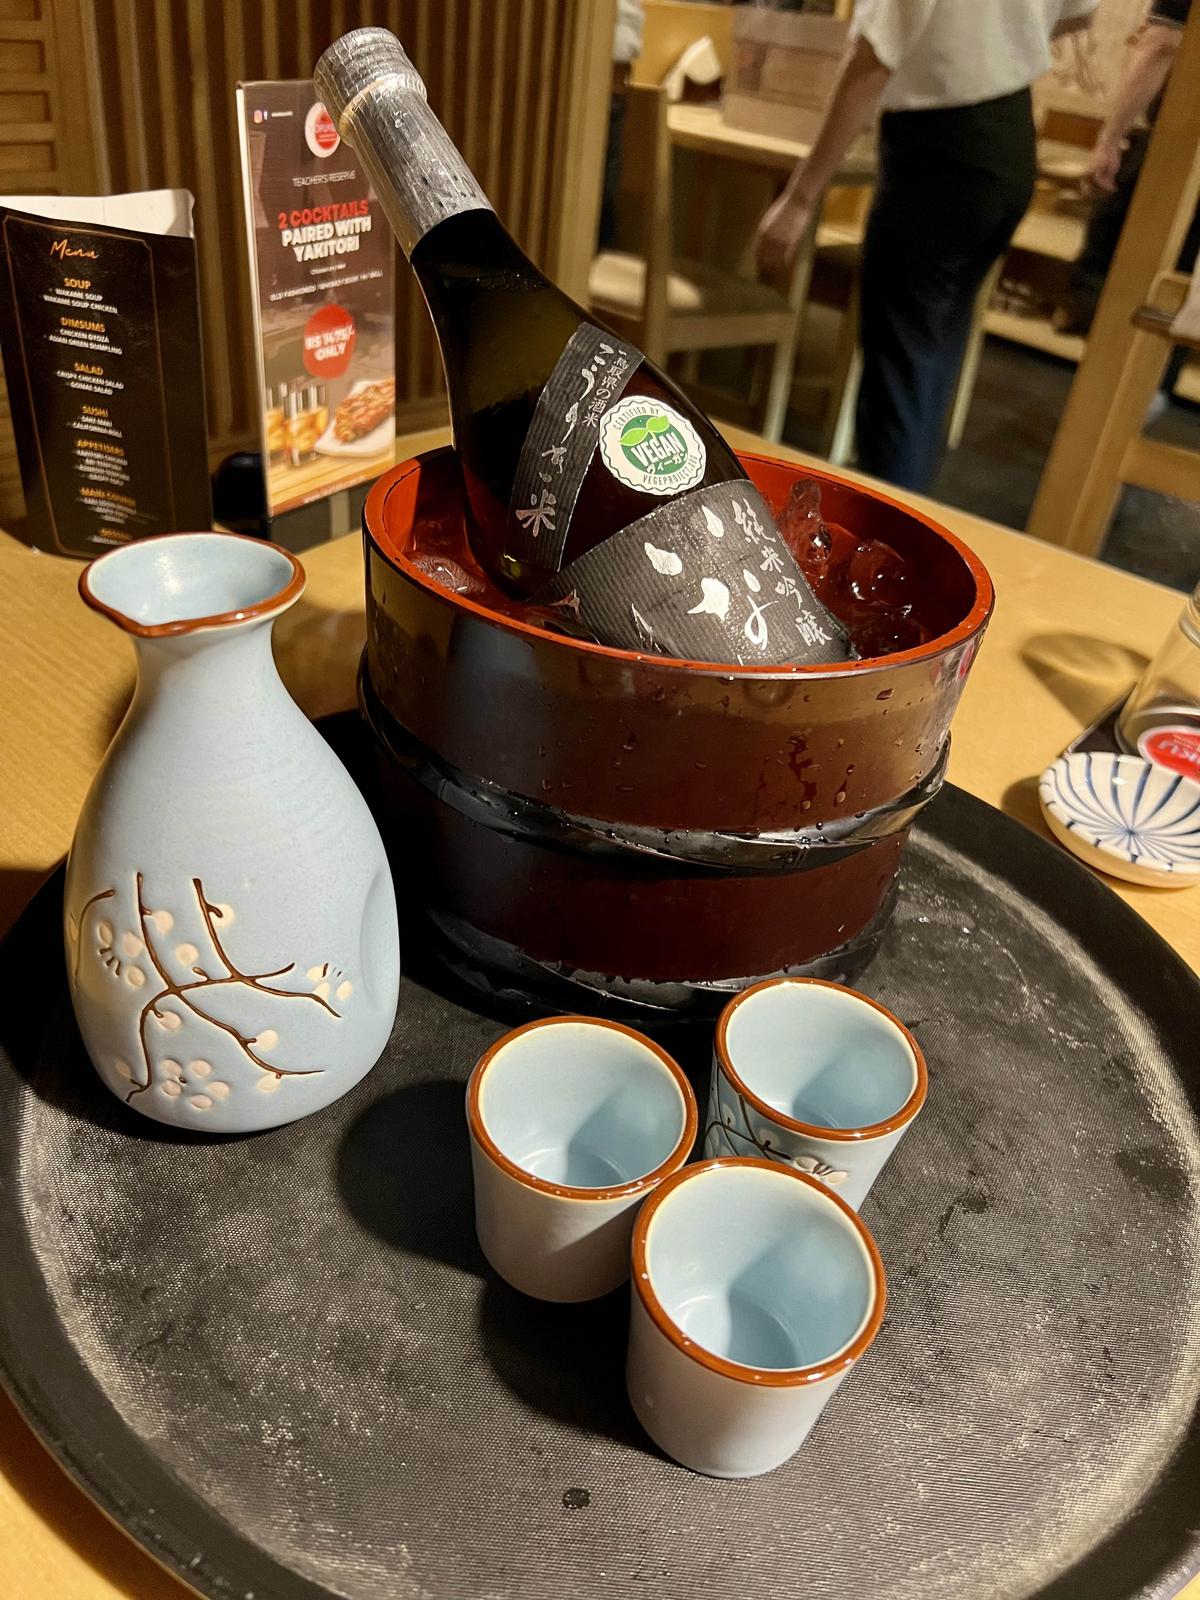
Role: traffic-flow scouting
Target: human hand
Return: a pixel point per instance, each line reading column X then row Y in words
column 1105, row 163
column 779, row 235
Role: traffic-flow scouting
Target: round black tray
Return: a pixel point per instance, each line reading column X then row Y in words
column 281, row 1365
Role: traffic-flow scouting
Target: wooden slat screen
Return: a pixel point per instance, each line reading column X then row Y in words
column 522, row 86
column 40, row 147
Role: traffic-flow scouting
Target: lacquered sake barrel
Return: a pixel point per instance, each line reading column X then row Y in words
column 619, row 832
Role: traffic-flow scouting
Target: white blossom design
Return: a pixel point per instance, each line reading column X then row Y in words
column 664, row 561
column 173, row 1000
column 736, row 1140
column 714, row 599
column 713, row 522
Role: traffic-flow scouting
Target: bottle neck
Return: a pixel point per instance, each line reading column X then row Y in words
column 418, row 175
column 472, row 246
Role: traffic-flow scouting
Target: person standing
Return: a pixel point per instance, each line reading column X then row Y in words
column 957, row 163
column 1116, row 164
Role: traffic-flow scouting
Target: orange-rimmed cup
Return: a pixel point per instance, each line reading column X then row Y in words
column 815, row 1075
column 755, row 1291
column 573, row 1122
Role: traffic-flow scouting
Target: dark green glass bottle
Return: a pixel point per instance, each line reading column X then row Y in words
column 593, row 483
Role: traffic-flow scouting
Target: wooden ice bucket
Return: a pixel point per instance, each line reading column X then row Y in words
column 615, row 832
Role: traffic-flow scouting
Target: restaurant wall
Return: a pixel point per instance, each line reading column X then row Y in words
column 101, row 96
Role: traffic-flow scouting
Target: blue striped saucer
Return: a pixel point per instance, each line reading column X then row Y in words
column 1125, row 816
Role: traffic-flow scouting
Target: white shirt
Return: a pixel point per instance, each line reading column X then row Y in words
column 627, row 38
column 958, row 52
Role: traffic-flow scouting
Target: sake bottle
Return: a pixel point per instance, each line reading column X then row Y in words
column 593, row 484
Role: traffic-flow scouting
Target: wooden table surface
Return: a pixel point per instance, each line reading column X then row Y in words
column 1067, row 637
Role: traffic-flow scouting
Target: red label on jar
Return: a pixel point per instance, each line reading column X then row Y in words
column 1176, row 747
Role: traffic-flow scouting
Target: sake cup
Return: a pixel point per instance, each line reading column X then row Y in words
column 573, row 1121
column 755, row 1290
column 816, row 1076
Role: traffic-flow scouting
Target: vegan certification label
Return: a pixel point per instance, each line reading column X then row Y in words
column 648, row 445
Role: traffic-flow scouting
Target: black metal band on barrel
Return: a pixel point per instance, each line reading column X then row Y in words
column 685, row 850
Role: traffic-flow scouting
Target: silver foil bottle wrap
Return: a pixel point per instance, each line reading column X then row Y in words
column 377, row 100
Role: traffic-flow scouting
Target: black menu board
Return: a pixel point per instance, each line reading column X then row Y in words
column 100, row 333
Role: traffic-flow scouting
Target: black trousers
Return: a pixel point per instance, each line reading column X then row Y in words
column 953, row 184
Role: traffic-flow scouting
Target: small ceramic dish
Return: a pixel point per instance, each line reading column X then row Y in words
column 1125, row 816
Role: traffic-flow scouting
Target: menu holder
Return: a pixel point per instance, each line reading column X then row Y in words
column 323, row 299
column 100, row 334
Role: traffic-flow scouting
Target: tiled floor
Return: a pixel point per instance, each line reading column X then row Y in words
column 1019, row 397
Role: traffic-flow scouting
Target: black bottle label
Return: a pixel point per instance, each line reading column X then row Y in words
column 588, row 378
column 707, row 577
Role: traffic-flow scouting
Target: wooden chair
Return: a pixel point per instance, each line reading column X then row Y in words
column 671, row 25
column 668, row 304
column 1100, row 444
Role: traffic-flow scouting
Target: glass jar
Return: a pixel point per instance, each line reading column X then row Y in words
column 1161, row 719
column 299, row 422
column 273, row 423
column 320, row 409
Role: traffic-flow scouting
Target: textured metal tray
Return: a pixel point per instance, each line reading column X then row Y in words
column 279, row 1362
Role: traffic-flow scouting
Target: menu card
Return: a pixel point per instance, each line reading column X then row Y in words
column 100, row 334
column 322, row 293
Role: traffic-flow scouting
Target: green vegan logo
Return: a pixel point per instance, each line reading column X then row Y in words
column 653, row 444
column 650, row 446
